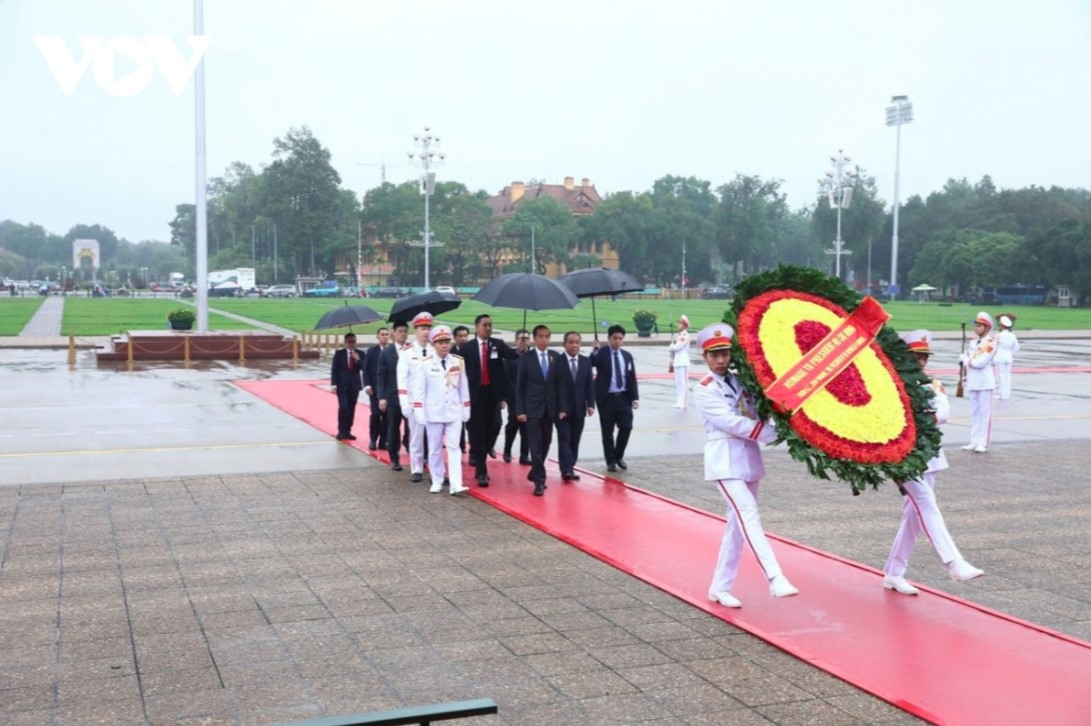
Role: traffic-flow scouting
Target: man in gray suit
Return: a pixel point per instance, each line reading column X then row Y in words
column 577, row 401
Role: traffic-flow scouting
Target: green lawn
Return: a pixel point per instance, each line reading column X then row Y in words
column 107, row 316
column 96, row 316
column 15, row 312
column 303, row 314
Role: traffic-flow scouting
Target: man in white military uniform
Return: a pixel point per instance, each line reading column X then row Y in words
column 441, row 401
column 408, row 362
column 733, row 461
column 920, row 511
column 980, row 383
column 1007, row 345
column 679, row 363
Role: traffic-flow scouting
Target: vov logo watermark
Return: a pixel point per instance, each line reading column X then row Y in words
column 100, row 53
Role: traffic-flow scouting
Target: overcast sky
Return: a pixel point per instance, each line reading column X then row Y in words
column 619, row 92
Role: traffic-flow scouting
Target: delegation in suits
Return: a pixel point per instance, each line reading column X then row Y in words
column 377, row 419
column 537, row 401
column 484, row 358
column 617, row 395
column 346, row 378
column 577, row 401
column 386, row 375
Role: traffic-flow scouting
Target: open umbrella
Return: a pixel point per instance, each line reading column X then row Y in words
column 596, row 281
column 526, row 291
column 432, row 301
column 347, row 315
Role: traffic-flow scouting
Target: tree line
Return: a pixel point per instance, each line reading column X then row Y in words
column 293, row 217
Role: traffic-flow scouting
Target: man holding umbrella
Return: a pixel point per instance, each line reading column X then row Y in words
column 484, row 358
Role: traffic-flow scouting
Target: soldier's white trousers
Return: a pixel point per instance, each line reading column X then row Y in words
column 981, row 403
column 681, row 386
column 743, row 523
column 416, row 441
column 920, row 512
column 1003, row 380
column 444, row 436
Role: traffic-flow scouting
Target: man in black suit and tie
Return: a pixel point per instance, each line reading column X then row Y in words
column 577, row 402
column 484, row 358
column 377, row 420
column 514, row 427
column 617, row 395
column 346, row 379
column 537, row 401
column 386, row 375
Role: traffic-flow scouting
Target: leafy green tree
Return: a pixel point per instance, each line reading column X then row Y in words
column 463, row 223
column 625, row 220
column 1061, row 254
column 554, row 231
column 754, row 226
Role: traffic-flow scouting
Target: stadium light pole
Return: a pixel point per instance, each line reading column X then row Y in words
column 426, row 156
column 840, row 196
column 201, row 164
column 899, row 113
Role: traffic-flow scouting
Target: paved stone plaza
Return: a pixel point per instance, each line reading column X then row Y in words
column 177, row 552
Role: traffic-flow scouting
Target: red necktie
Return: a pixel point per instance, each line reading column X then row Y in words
column 352, row 360
column 484, row 363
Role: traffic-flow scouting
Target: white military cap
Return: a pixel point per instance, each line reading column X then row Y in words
column 919, row 341
column 985, row 319
column 683, row 320
column 715, row 336
column 440, row 332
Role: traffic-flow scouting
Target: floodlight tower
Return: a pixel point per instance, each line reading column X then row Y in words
column 899, row 113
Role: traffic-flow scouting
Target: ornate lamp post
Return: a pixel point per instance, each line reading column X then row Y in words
column 838, row 186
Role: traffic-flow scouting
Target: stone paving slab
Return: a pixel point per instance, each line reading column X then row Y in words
column 285, row 596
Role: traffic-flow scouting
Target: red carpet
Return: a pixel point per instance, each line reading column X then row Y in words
column 936, row 656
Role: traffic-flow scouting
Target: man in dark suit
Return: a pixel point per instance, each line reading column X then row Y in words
column 617, row 396
column 377, row 420
column 537, row 401
column 386, row 375
column 484, row 358
column 346, row 380
column 577, row 402
column 514, row 426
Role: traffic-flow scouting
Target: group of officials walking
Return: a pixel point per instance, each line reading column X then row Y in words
column 427, row 393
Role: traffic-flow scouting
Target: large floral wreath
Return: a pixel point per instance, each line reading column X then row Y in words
column 873, row 420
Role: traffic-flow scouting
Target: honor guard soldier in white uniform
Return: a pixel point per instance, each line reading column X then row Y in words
column 920, row 511
column 733, row 461
column 980, row 383
column 1007, row 345
column 679, row 363
column 408, row 361
column 441, row 401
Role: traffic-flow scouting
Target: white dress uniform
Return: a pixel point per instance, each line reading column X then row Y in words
column 408, row 362
column 920, row 510
column 733, row 461
column 1007, row 345
column 679, row 356
column 441, row 401
column 980, row 384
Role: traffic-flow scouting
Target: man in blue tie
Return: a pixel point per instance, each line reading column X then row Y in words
column 537, row 401
column 617, row 395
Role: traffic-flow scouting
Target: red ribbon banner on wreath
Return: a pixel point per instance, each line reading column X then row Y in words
column 826, row 360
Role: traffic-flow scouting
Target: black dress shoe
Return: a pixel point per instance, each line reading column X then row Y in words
column 350, row 437
column 371, row 446
column 507, row 458
column 539, row 490
column 524, row 461
column 446, row 482
column 483, row 481
column 472, row 461
column 340, row 437
column 395, row 467
column 492, row 453
column 621, row 463
column 611, row 468
column 570, row 477
column 415, row 478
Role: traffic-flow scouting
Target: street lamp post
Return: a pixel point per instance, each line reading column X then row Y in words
column 64, row 281
column 426, row 156
column 900, row 112
column 840, row 196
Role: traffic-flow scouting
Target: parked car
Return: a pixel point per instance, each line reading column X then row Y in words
column 280, row 291
column 717, row 293
column 329, row 288
column 446, row 289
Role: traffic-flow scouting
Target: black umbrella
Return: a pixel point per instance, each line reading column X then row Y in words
column 595, row 281
column 432, row 301
column 526, row 291
column 347, row 315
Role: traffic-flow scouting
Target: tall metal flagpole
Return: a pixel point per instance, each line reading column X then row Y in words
column 202, row 176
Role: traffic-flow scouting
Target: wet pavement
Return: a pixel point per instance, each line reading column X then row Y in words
column 177, row 551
